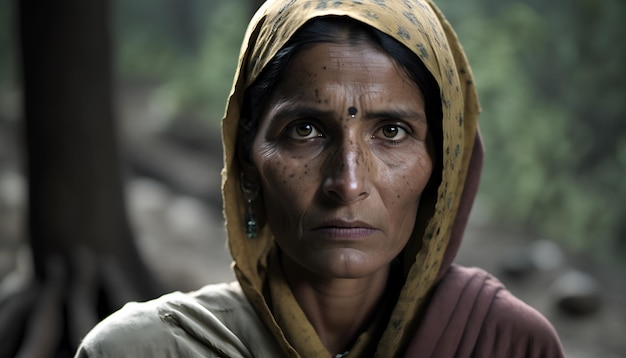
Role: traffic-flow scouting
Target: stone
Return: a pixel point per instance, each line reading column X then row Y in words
column 577, row 293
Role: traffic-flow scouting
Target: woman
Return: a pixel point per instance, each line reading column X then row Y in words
column 352, row 157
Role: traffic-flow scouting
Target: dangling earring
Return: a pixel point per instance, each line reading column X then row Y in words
column 250, row 192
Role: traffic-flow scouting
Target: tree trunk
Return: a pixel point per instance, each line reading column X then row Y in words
column 86, row 262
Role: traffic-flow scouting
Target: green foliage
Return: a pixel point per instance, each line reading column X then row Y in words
column 194, row 67
column 204, row 85
column 552, row 90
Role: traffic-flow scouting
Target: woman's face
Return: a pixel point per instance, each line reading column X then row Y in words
column 342, row 154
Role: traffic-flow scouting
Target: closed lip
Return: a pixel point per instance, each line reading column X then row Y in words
column 345, row 230
column 342, row 224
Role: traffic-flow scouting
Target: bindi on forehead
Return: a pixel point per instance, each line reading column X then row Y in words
column 352, row 111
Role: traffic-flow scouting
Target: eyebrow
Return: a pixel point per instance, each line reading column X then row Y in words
column 397, row 113
column 288, row 110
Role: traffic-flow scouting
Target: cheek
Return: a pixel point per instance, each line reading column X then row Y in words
column 408, row 180
column 280, row 173
column 409, row 188
column 421, row 170
column 288, row 189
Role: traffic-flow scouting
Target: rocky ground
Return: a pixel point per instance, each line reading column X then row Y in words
column 178, row 224
column 594, row 325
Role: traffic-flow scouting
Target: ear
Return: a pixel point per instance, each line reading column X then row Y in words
column 246, row 162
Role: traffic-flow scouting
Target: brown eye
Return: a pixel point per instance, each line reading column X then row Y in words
column 304, row 130
column 390, row 131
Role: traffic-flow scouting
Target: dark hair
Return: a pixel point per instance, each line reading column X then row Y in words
column 337, row 29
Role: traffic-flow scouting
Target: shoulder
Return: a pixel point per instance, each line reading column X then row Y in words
column 207, row 322
column 514, row 324
column 137, row 329
column 512, row 328
column 472, row 314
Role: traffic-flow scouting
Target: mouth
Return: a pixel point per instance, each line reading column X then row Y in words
column 347, row 230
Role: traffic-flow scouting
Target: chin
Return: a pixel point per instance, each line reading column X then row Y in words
column 346, row 264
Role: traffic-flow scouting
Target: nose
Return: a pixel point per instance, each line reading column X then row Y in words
column 346, row 175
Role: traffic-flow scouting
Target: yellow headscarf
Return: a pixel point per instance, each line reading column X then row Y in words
column 420, row 26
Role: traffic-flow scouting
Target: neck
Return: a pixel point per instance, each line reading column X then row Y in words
column 338, row 309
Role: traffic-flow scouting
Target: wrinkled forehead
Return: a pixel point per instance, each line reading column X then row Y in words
column 352, row 75
column 412, row 22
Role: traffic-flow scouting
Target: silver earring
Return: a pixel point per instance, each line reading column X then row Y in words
column 250, row 192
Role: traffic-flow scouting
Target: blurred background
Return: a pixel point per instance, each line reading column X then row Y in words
column 112, row 109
